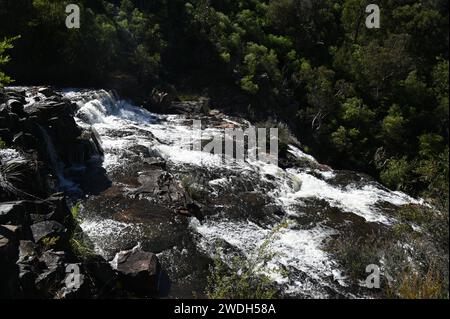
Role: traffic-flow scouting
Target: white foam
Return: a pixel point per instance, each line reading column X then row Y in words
column 300, row 154
column 350, row 199
column 9, row 154
column 104, row 231
column 122, row 125
column 326, row 174
column 297, row 249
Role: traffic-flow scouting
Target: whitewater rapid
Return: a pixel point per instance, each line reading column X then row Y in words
column 299, row 252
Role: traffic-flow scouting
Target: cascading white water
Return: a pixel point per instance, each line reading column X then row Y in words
column 122, row 126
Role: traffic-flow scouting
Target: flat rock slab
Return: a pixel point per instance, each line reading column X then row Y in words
column 47, row 229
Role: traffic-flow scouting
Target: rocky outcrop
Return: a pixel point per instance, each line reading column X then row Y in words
column 41, row 154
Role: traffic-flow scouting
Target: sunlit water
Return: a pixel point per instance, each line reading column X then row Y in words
column 300, row 265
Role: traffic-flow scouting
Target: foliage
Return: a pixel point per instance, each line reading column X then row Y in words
column 427, row 286
column 355, row 253
column 79, row 243
column 75, row 210
column 5, row 45
column 374, row 100
column 244, row 277
column 397, row 173
column 2, row 144
column 285, row 136
column 10, row 174
column 352, row 94
column 50, row 242
column 80, row 247
column 413, row 254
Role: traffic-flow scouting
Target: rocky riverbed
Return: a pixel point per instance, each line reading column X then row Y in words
column 154, row 213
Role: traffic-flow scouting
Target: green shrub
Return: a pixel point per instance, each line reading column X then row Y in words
column 397, row 173
column 414, row 285
column 243, row 277
column 79, row 243
column 6, row 44
column 285, row 136
column 50, row 242
column 355, row 253
column 416, row 260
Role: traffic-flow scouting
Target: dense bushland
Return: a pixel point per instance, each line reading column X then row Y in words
column 368, row 99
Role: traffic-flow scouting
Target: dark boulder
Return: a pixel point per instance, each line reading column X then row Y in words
column 9, row 284
column 16, row 107
column 9, row 241
column 96, row 279
column 12, row 213
column 138, row 270
column 27, row 263
column 47, row 92
column 18, row 95
column 64, row 129
column 52, row 272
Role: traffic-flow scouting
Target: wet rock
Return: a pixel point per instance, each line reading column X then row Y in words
column 46, row 91
column 16, row 95
column 4, row 109
column 64, row 129
column 151, row 181
column 14, row 230
column 47, row 229
column 82, row 289
column 157, row 162
column 4, row 121
column 44, row 132
column 141, row 150
column 47, row 109
column 93, row 141
column 138, row 270
column 195, row 209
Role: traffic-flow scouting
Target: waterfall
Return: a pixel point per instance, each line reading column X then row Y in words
column 311, row 197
